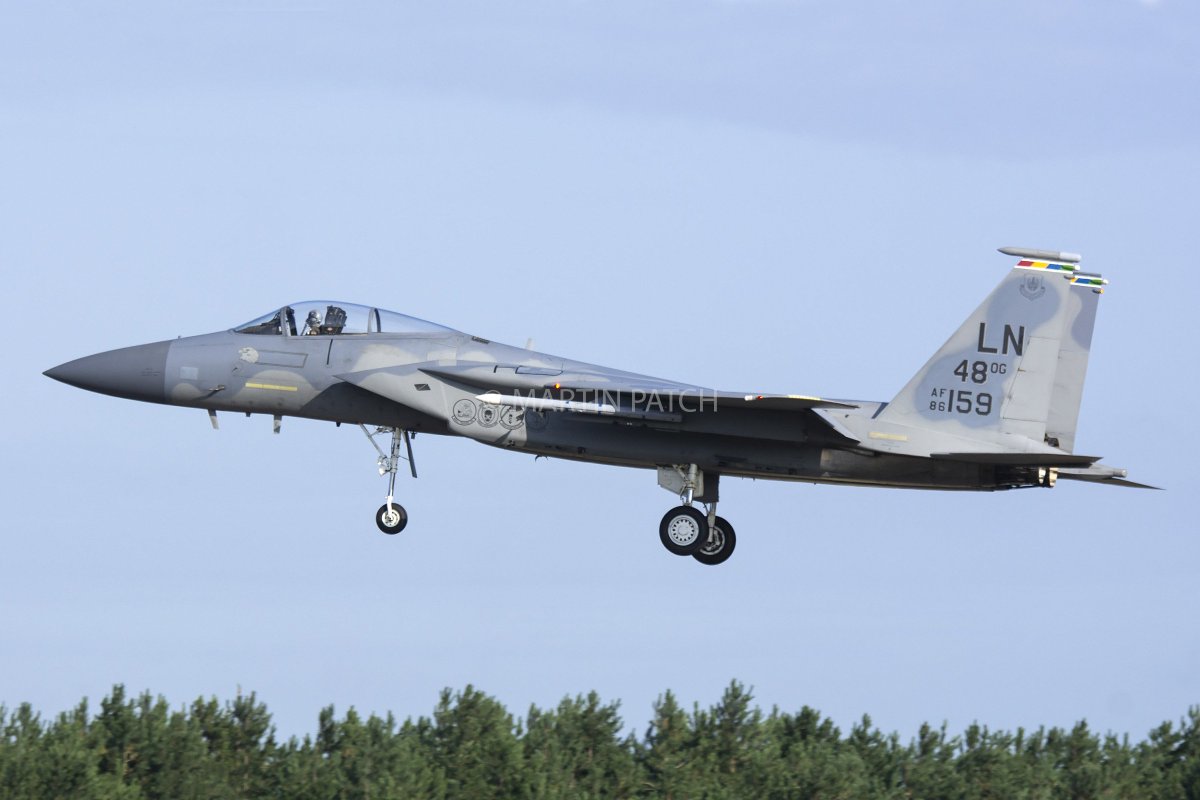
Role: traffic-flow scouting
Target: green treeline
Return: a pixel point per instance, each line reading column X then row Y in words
column 472, row 747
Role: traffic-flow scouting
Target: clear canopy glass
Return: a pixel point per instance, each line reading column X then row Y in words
column 332, row 318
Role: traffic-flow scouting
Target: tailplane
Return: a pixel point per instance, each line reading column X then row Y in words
column 1012, row 374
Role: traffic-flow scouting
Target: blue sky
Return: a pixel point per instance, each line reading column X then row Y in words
column 771, row 196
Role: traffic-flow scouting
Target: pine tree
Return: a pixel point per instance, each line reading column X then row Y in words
column 476, row 747
column 669, row 757
column 576, row 751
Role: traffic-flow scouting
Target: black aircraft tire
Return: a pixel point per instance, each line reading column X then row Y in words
column 683, row 530
column 381, row 519
column 720, row 551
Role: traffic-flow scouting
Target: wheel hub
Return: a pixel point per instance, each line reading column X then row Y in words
column 683, row 531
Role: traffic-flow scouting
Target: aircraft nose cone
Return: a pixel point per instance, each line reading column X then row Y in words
column 136, row 373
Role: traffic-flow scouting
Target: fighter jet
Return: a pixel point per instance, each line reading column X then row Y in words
column 995, row 408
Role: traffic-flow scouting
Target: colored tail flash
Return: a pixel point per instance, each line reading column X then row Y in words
column 1012, row 375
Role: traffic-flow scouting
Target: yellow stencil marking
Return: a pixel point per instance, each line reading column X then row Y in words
column 272, row 386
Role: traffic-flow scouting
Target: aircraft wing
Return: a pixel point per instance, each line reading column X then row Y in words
column 520, row 378
column 782, row 402
column 606, row 393
column 606, row 385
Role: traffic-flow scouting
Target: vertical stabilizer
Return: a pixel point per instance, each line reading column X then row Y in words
column 1014, row 370
column 1073, row 362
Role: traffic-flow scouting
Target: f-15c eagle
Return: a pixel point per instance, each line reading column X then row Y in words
column 994, row 408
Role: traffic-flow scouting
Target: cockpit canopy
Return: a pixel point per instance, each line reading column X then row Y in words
column 331, row 318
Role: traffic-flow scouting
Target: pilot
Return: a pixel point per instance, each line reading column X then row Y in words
column 312, row 324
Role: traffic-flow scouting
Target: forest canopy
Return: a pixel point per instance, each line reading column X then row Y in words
column 473, row 747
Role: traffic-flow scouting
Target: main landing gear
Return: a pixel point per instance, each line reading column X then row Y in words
column 391, row 517
column 687, row 531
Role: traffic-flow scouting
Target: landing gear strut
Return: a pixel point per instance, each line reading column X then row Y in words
column 685, row 530
column 391, row 517
column 720, row 544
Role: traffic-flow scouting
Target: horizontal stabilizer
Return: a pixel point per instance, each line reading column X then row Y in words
column 1020, row 459
column 1103, row 474
column 1109, row 481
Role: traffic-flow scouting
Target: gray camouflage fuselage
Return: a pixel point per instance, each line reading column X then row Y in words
column 996, row 408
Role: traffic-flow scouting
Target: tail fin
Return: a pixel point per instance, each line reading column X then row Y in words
column 1016, row 367
column 1073, row 363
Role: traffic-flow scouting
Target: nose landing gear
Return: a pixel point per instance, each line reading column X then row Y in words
column 391, row 518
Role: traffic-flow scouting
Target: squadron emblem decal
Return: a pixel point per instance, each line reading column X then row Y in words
column 512, row 418
column 489, row 415
column 464, row 411
column 1032, row 287
column 470, row 412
